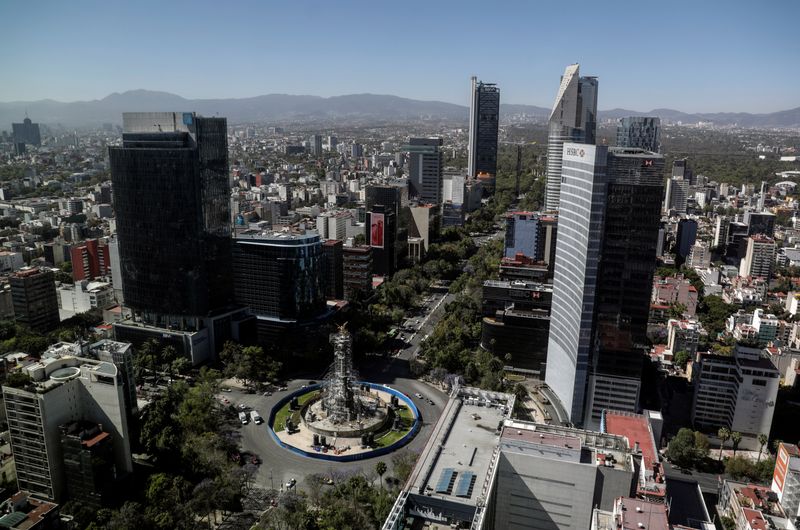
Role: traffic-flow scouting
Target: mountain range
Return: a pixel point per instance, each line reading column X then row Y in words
column 280, row 108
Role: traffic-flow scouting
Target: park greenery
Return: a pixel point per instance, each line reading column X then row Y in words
column 183, row 432
column 19, row 338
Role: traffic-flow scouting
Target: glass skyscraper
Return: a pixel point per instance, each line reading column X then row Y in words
column 573, row 119
column 171, row 198
column 640, row 131
column 605, row 257
column 484, row 115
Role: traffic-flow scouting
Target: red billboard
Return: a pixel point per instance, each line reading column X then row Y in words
column 376, row 231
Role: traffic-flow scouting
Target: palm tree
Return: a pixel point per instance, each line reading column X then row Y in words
column 736, row 437
column 724, row 435
column 762, row 441
column 380, row 469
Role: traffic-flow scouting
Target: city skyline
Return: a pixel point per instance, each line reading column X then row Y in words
column 109, row 52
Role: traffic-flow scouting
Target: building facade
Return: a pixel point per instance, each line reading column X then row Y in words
column 736, row 391
column 573, row 119
column 484, row 117
column 605, row 257
column 425, row 171
column 171, row 195
column 33, row 293
column 90, row 260
column 640, row 131
column 62, row 390
column 356, row 271
column 582, row 199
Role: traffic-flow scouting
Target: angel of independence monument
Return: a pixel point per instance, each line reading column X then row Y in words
column 343, row 415
column 347, row 408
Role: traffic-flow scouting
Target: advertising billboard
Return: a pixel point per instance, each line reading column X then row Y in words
column 376, row 230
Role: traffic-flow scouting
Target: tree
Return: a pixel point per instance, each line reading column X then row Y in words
column 736, row 438
column 380, row 469
column 681, row 449
column 701, row 445
column 681, row 358
column 762, row 441
column 724, row 435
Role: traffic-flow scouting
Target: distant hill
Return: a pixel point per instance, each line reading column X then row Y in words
column 284, row 107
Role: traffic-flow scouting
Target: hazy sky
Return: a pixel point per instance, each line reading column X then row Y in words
column 689, row 55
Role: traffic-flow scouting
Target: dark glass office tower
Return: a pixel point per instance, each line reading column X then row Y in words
column 625, row 279
column 484, row 115
column 281, row 278
column 171, row 198
column 280, row 275
column 640, row 131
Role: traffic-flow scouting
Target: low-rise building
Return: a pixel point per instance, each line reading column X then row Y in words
column 22, row 511
column 752, row 507
column 675, row 290
column 481, row 470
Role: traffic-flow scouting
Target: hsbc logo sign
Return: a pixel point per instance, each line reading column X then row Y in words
column 575, row 151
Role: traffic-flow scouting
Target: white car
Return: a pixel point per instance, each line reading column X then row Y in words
column 291, row 483
column 418, row 395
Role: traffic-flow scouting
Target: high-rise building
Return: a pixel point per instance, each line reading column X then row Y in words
column 573, row 119
column 640, row 131
column 316, row 144
column 735, row 391
column 26, row 132
column 625, row 280
column 332, row 252
column 33, row 292
column 484, row 113
column 676, row 196
column 760, row 223
column 681, row 170
column 582, row 198
column 605, row 257
column 759, row 260
column 90, row 260
column 357, row 271
column 425, row 170
column 381, row 235
column 531, row 234
column 786, row 478
column 88, row 462
column 171, row 198
column 280, row 277
column 64, row 389
column 685, row 238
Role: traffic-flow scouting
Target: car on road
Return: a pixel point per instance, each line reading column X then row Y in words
column 267, row 393
column 418, row 395
column 244, row 418
column 242, row 406
column 283, row 388
column 291, row 483
column 431, row 403
column 256, row 417
column 226, row 389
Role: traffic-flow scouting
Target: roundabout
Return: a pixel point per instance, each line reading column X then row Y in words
column 344, row 419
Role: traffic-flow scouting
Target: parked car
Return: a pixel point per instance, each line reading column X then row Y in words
column 257, row 419
column 244, row 418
